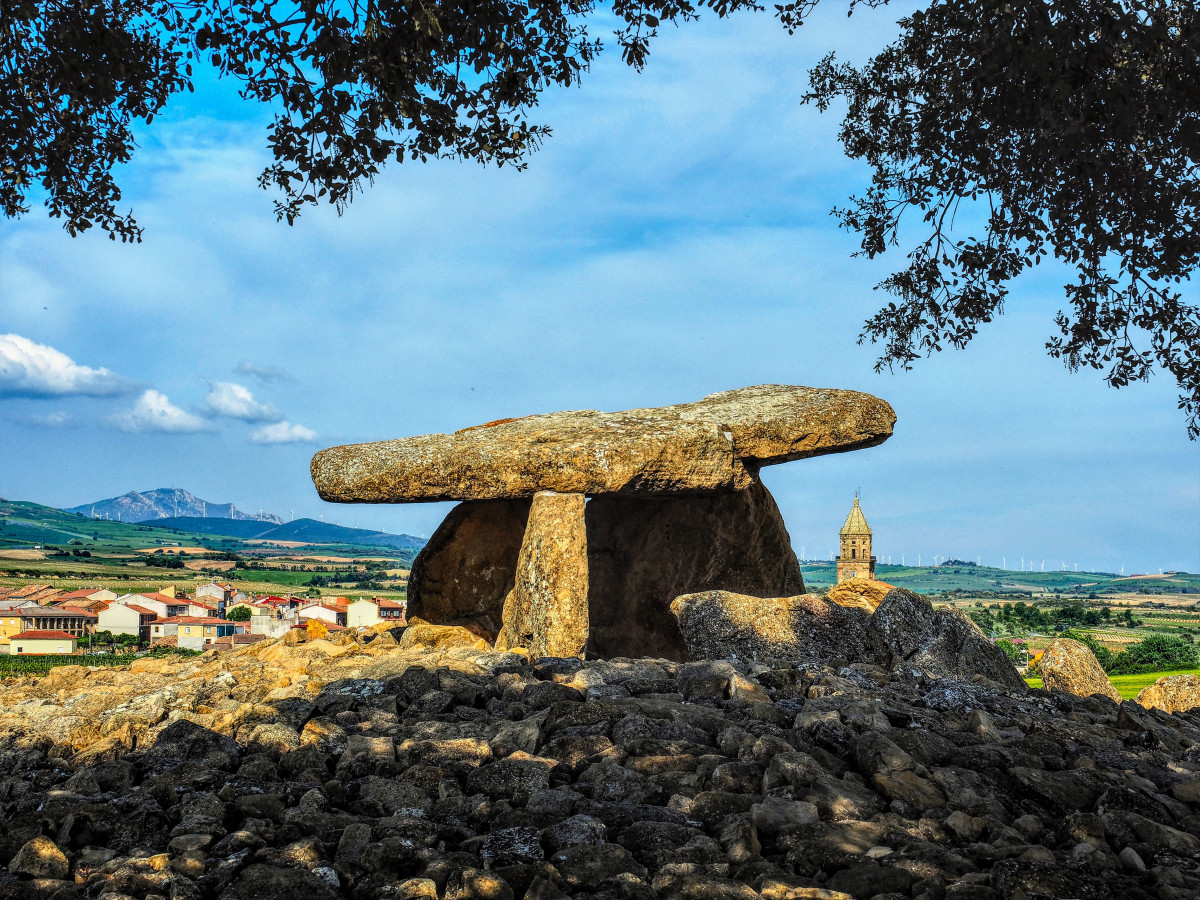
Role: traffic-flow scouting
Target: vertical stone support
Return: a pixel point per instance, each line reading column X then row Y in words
column 546, row 612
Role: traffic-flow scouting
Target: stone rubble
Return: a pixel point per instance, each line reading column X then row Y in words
column 415, row 765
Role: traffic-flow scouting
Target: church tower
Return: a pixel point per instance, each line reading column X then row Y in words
column 855, row 560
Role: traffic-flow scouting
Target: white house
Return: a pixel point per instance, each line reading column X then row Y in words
column 127, row 618
column 90, row 594
column 362, row 613
column 216, row 591
column 271, row 622
column 156, row 605
column 29, row 643
column 326, row 614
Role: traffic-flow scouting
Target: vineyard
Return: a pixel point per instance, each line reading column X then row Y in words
column 16, row 666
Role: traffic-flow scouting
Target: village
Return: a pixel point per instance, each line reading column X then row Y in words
column 38, row 619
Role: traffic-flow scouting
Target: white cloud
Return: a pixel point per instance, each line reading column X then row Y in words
column 283, row 433
column 263, row 373
column 57, row 419
column 154, row 412
column 31, row 369
column 236, row 402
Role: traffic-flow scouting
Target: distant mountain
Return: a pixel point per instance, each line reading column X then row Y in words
column 165, row 503
column 308, row 531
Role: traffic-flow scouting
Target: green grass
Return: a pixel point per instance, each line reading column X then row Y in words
column 15, row 666
column 1128, row 686
column 936, row 579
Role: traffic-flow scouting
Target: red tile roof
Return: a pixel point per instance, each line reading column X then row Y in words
column 44, row 636
column 142, row 610
column 87, row 592
column 60, row 611
column 195, row 620
column 329, row 626
column 389, row 604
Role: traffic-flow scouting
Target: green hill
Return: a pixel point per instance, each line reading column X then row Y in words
column 985, row 579
column 308, row 531
column 24, row 524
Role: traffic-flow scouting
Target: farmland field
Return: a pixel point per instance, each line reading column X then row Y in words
column 1128, row 686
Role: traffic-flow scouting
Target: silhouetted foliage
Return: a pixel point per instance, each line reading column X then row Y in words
column 1039, row 128
column 1064, row 128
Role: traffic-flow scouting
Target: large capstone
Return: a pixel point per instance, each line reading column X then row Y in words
column 714, row 444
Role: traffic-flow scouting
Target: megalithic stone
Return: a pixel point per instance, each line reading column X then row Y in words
column 716, row 444
column 643, row 552
column 463, row 574
column 546, row 612
column 676, row 507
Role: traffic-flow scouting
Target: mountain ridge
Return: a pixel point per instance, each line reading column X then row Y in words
column 165, row 503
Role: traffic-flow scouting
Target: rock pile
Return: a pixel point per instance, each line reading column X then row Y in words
column 675, row 505
column 373, row 766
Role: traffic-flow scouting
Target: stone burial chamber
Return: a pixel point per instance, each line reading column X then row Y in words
column 576, row 530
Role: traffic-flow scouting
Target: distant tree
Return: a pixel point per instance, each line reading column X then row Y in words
column 239, row 614
column 1157, row 653
column 1011, row 650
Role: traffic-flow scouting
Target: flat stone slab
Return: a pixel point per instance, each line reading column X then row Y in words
column 714, row 445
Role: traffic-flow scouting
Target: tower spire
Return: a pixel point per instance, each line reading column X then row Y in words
column 856, row 559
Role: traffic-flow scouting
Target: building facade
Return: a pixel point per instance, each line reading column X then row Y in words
column 32, row 643
column 855, row 559
column 58, row 619
column 127, row 619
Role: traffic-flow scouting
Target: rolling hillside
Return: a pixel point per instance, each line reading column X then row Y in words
column 24, row 524
column 985, row 579
column 307, row 531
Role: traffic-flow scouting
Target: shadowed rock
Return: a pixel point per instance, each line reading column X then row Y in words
column 645, row 552
column 547, row 610
column 463, row 574
column 942, row 642
column 779, row 632
column 715, row 444
column 1072, row 668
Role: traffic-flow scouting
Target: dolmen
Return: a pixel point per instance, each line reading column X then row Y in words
column 576, row 530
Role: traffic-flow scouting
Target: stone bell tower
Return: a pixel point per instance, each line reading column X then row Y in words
column 855, row 560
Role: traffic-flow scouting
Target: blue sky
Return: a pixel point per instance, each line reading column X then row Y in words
column 672, row 239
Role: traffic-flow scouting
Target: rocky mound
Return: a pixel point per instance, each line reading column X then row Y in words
column 373, row 766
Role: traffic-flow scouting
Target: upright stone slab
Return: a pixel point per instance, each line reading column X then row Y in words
column 547, row 609
column 645, row 552
column 463, row 574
